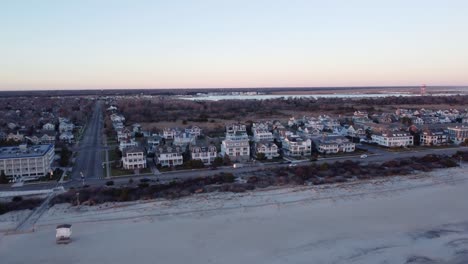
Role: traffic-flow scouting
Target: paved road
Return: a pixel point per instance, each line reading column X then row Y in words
column 89, row 160
column 169, row 176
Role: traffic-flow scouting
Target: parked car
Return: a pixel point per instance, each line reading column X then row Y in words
column 363, row 156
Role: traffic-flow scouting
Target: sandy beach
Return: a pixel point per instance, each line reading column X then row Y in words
column 412, row 219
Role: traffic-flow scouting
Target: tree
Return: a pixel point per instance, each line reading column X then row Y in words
column 64, row 156
column 3, row 178
column 227, row 160
column 218, row 161
column 261, row 156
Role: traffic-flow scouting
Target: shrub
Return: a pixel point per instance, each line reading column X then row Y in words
column 17, row 199
column 143, row 185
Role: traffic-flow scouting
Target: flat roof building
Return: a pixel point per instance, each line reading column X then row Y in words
column 26, row 162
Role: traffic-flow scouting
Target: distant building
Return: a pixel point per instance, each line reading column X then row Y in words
column 393, row 139
column 48, row 126
column 169, row 133
column 458, row 134
column 26, row 163
column 195, row 131
column 134, row 158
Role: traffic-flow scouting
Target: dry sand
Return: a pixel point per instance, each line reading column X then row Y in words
column 394, row 220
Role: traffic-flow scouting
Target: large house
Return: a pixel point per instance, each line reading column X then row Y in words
column 48, row 126
column 169, row 133
column 203, row 153
column 127, row 144
column 393, row 139
column 236, row 145
column 66, row 126
column 193, row 130
column 169, row 156
column 134, row 158
column 296, row 146
column 183, row 139
column 334, row 144
column 26, row 163
column 458, row 134
column 261, row 134
column 267, row 148
column 433, row 137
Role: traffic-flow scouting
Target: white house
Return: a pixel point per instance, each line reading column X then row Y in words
column 193, row 130
column 169, row 156
column 133, row 158
column 393, row 139
column 334, row 144
column 67, row 136
column 127, row 144
column 183, row 139
column 260, row 134
column 66, row 127
column 236, row 145
column 123, row 134
column 294, row 146
column 268, row 148
column 204, row 153
column 169, row 133
column 48, row 126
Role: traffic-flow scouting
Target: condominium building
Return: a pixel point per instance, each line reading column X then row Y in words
column 26, row 162
column 134, row 158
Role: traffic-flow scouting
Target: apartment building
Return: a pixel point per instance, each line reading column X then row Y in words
column 26, row 162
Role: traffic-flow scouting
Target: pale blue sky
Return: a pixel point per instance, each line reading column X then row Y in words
column 47, row 44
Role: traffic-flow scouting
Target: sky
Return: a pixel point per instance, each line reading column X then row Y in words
column 90, row 44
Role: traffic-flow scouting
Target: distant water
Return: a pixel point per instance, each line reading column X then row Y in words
column 286, row 96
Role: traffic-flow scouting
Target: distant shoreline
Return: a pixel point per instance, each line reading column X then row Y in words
column 267, row 90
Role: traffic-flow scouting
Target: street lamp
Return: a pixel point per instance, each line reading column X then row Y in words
column 82, row 178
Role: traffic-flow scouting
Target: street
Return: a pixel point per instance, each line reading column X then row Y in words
column 89, row 160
